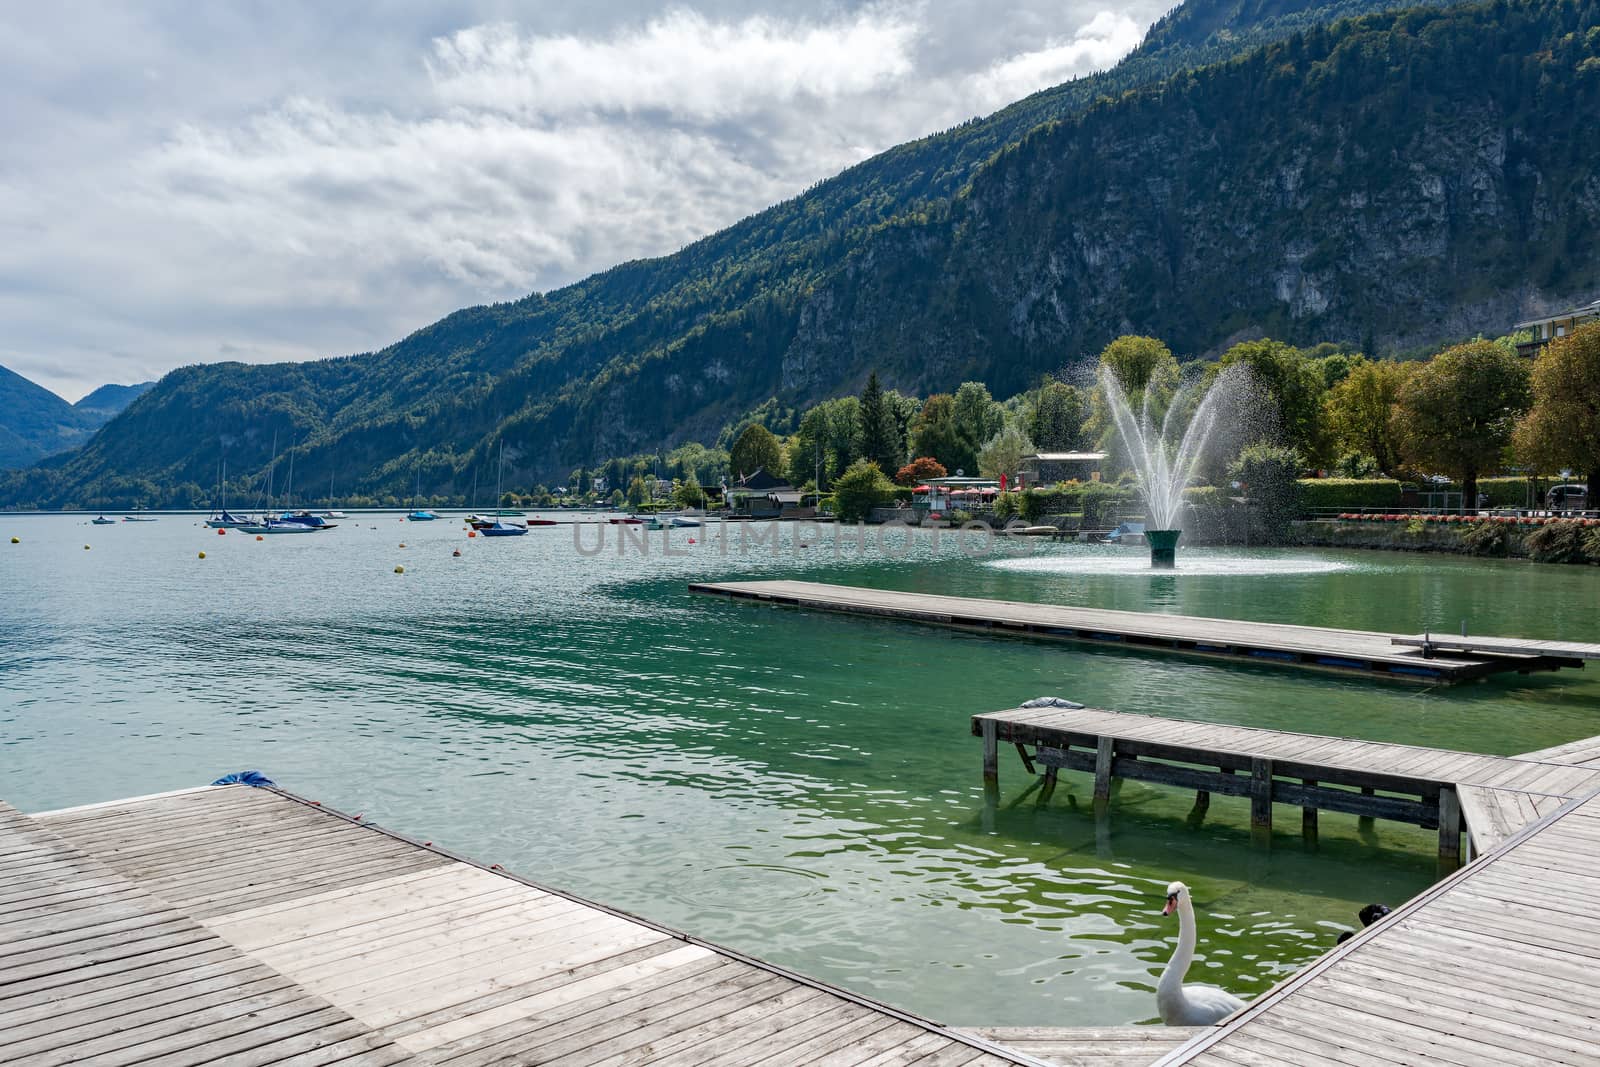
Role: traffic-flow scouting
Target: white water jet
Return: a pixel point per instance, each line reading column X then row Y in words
column 1164, row 461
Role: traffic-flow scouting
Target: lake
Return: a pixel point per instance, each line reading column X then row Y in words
column 800, row 787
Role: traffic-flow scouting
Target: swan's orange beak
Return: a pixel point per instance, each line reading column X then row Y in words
column 1172, row 904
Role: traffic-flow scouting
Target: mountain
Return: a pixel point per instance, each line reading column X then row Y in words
column 109, row 400
column 1394, row 180
column 36, row 423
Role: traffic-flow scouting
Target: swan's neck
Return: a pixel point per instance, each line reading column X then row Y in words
column 1178, row 966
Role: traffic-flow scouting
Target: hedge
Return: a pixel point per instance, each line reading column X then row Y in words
column 1349, row 493
column 1090, row 498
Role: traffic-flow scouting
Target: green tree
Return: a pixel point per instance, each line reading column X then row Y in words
column 687, row 493
column 977, row 416
column 936, row 434
column 638, row 492
column 881, row 439
column 829, row 433
column 1456, row 413
column 1359, row 407
column 860, row 489
column 1056, row 416
column 1295, row 386
column 1002, row 453
column 1562, row 429
column 1136, row 362
column 616, row 498
column 1269, row 476
column 756, row 449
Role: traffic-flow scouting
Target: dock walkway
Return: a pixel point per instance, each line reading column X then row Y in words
column 403, row 951
column 1490, row 797
column 1270, row 644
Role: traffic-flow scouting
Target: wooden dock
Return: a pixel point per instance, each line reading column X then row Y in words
column 248, row 927
column 1498, row 965
column 1488, row 797
column 1318, row 648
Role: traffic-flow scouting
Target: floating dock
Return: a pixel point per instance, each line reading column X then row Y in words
column 1320, row 648
column 249, row 927
column 1497, row 965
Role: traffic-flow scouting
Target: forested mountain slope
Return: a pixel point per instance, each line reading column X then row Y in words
column 1399, row 179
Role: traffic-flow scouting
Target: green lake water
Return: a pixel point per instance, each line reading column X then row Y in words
column 801, row 787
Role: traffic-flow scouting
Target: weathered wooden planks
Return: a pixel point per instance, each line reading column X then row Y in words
column 1261, row 643
column 1495, row 965
column 95, row 969
column 443, row 960
column 1092, row 1046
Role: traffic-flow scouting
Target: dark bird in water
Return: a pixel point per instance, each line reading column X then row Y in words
column 1369, row 915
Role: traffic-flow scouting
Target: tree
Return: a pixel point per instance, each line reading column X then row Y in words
column 937, row 435
column 881, row 440
column 1269, row 476
column 1055, row 420
column 1563, row 427
column 1295, row 385
column 687, row 493
column 638, row 492
column 829, row 433
column 1138, row 361
column 860, row 489
column 756, row 449
column 1002, row 454
column 920, row 470
column 1358, row 410
column 977, row 416
column 1456, row 414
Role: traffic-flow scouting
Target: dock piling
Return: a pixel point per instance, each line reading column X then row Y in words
column 1449, row 830
column 1102, row 772
column 991, row 756
column 1260, row 794
column 1308, row 815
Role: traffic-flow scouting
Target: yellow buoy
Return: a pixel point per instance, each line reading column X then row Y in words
column 202, row 555
column 16, row 540
column 399, row 570
column 86, row 548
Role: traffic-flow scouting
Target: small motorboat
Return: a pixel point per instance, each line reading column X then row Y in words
column 626, row 520
column 102, row 521
column 277, row 526
column 682, row 522
column 334, row 515
column 503, row 529
column 536, row 521
column 138, row 518
column 421, row 515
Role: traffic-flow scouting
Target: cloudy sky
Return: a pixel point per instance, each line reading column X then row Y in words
column 189, row 182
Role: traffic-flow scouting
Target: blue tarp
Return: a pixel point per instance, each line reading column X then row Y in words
column 244, row 778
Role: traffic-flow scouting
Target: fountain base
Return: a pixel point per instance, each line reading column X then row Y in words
column 1163, row 548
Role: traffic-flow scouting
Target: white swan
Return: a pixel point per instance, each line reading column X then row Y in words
column 1188, row 1005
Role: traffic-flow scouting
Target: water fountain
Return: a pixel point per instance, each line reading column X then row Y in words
column 1165, row 467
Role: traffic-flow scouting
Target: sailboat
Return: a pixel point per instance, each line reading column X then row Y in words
column 222, row 520
column 332, row 513
column 269, row 525
column 420, row 514
column 500, row 528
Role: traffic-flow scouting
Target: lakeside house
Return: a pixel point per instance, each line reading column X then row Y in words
column 765, row 496
column 1550, row 327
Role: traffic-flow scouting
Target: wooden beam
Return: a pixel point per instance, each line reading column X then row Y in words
column 1102, row 770
column 1308, row 814
column 991, row 756
column 1027, row 761
column 1260, row 794
column 1449, row 830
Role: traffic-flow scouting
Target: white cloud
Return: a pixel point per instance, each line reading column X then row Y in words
column 489, row 160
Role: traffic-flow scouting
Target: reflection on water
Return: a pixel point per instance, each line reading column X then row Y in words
column 802, row 787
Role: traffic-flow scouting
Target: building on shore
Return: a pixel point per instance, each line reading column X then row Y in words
column 1549, row 327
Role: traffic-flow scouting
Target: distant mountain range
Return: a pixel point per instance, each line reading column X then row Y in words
column 1255, row 166
column 36, row 423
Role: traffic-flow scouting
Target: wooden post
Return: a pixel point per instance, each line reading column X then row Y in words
column 1260, row 794
column 1308, row 816
column 991, row 755
column 1049, row 783
column 1449, row 830
column 1202, row 801
column 1102, row 772
column 1365, row 822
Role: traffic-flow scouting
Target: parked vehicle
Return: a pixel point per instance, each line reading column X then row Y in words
column 1571, row 497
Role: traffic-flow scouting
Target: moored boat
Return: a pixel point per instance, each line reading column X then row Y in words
column 503, row 529
column 421, row 515
column 226, row 521
column 103, row 521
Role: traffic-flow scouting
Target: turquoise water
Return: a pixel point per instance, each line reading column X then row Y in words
column 801, row 787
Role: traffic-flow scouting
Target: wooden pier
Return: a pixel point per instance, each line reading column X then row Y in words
column 1319, row 648
column 248, row 927
column 1497, row 965
column 1488, row 797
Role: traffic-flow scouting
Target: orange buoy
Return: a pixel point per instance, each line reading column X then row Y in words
column 691, row 540
column 259, row 537
column 402, row 544
column 221, row 532
column 472, row 533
